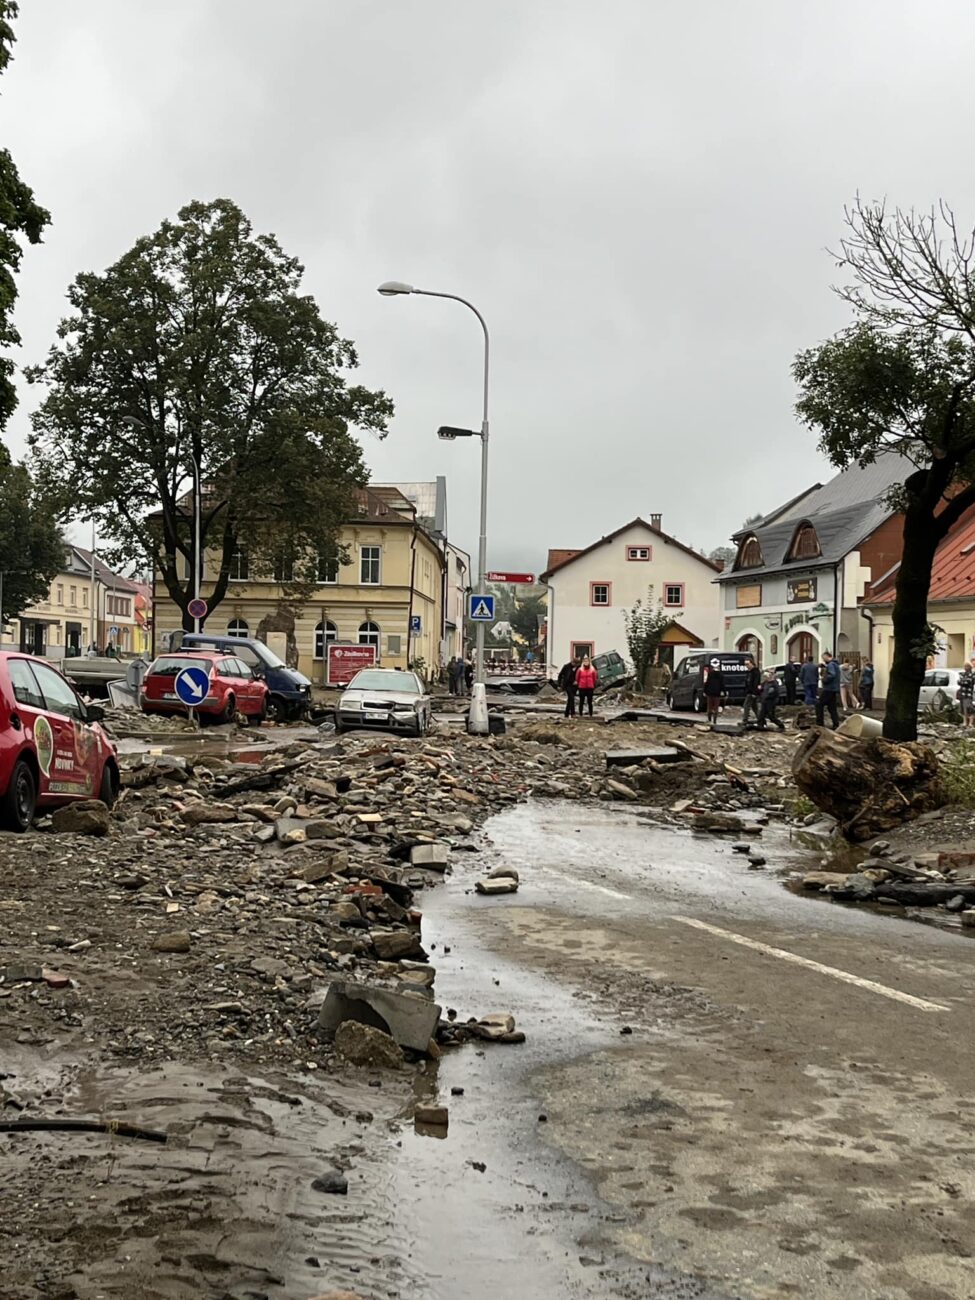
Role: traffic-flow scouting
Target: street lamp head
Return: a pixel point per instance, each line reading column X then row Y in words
column 449, row 433
column 390, row 288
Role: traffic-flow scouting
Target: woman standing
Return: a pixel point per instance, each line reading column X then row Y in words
column 966, row 693
column 847, row 698
column 713, row 689
column 585, row 684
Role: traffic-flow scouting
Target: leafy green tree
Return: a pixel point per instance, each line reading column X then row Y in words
column 723, row 555
column 31, row 545
column 901, row 378
column 525, row 619
column 645, row 625
column 198, row 347
column 20, row 217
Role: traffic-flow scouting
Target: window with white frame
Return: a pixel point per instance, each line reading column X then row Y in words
column 369, row 634
column 600, row 593
column 284, row 568
column 237, row 627
column 325, row 633
column 369, row 565
column 673, row 593
column 639, row 552
column 239, row 565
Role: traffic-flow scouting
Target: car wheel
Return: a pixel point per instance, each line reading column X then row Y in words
column 229, row 710
column 697, row 703
column 108, row 790
column 669, row 701
column 277, row 710
column 20, row 799
column 257, row 718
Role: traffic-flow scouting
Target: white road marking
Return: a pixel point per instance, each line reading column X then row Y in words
column 587, row 884
column 847, row 978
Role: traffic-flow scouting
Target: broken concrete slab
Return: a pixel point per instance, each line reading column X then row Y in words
column 503, row 885
column 655, row 753
column 431, row 857
column 409, row 1018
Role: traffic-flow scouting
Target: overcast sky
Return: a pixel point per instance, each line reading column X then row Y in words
column 638, row 195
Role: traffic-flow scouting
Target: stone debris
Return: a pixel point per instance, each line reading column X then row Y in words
column 409, row 1018
column 435, row 1116
column 365, row 1045
column 87, row 817
column 497, row 884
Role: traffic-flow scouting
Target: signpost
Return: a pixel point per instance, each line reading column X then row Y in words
column 197, row 609
column 480, row 609
column 344, row 661
column 192, row 686
column 416, row 625
column 522, row 579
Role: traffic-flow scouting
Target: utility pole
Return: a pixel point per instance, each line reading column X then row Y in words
column 93, row 615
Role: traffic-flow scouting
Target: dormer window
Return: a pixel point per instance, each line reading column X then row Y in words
column 805, row 544
column 750, row 554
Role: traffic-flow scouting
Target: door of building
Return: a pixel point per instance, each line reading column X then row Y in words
column 750, row 645
column 802, row 647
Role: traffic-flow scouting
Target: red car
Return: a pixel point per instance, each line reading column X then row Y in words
column 233, row 687
column 52, row 749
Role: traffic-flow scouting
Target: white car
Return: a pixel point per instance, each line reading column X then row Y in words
column 938, row 682
column 385, row 699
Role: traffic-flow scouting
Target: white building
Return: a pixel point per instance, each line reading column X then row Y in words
column 590, row 590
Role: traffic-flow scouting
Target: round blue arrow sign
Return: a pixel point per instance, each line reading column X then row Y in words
column 192, row 685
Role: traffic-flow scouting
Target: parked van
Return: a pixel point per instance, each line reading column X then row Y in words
column 686, row 689
column 289, row 692
column 610, row 668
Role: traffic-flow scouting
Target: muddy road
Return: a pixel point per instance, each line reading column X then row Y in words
column 789, row 1112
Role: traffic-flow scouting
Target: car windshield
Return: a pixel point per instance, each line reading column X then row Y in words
column 372, row 680
column 268, row 657
column 170, row 665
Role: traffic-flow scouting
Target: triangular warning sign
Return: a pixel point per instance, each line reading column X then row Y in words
column 482, row 610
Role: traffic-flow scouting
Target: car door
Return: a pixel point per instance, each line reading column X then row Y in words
column 249, row 689
column 28, row 717
column 72, row 769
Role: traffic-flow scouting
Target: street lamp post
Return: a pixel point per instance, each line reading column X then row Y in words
column 478, row 721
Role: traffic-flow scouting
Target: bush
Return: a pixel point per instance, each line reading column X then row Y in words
column 958, row 773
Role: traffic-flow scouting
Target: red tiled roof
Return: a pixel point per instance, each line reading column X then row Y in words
column 953, row 571
column 556, row 558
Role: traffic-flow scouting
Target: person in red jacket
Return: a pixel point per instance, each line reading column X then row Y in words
column 585, row 684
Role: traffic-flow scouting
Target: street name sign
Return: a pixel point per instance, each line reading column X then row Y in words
column 523, row 579
column 192, row 686
column 480, row 608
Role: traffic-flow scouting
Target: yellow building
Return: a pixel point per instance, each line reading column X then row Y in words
column 388, row 593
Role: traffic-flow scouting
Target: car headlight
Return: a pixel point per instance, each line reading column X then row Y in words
column 350, row 704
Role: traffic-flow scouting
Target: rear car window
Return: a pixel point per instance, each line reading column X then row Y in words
column 170, row 665
column 22, row 679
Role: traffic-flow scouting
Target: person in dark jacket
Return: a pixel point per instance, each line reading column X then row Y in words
column 769, row 699
column 713, row 689
column 469, row 674
column 753, row 679
column 790, row 676
column 829, row 692
column 867, row 679
column 566, row 681
column 809, row 679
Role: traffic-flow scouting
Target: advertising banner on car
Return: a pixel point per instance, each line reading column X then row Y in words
column 344, row 661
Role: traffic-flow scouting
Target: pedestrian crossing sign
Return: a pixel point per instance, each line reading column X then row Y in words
column 481, row 608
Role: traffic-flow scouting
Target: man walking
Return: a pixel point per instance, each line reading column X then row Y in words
column 829, row 693
column 567, row 682
column 713, row 690
column 809, row 680
column 790, row 676
column 867, row 679
column 769, row 701
column 752, row 682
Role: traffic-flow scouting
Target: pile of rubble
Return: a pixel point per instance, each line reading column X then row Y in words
column 945, row 879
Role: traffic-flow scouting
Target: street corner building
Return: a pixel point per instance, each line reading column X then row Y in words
column 800, row 575
column 592, row 588
column 390, row 591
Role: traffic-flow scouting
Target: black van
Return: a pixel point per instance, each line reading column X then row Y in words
column 289, row 691
column 686, row 689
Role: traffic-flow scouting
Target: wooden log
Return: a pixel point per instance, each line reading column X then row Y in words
column 867, row 783
column 911, row 893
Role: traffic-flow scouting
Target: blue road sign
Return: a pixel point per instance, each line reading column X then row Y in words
column 192, row 685
column 480, row 608
column 416, row 625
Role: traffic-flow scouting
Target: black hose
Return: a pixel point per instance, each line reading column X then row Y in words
column 113, row 1126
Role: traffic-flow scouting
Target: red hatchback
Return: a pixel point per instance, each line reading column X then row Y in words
column 233, row 687
column 52, row 749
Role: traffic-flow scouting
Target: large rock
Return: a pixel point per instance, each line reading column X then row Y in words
column 392, row 945
column 410, row 1019
column 200, row 814
column 89, row 817
column 365, row 1045
column 174, row 941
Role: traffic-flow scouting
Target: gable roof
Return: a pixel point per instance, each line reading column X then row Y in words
column 569, row 556
column 844, row 512
column 952, row 573
column 103, row 574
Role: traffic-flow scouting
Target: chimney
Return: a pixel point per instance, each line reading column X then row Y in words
column 655, row 522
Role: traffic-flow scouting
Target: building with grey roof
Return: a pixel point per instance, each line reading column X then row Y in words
column 800, row 572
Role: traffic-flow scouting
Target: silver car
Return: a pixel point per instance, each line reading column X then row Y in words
column 384, row 699
column 940, row 685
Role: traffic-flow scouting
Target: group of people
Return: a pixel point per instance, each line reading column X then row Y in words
column 826, row 686
column 761, row 695
column 460, row 675
column 578, row 679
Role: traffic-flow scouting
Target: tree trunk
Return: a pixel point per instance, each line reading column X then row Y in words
column 910, row 619
column 868, row 785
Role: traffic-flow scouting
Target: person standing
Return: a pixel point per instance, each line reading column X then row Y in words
column 468, row 675
column 809, row 680
column 966, row 693
column 769, row 701
column 829, row 692
column 452, row 675
column 867, row 678
column 586, row 677
column 567, row 682
column 753, row 680
column 847, row 698
column 713, row 689
column 790, row 677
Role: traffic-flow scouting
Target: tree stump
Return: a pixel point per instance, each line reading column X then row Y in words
column 868, row 785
